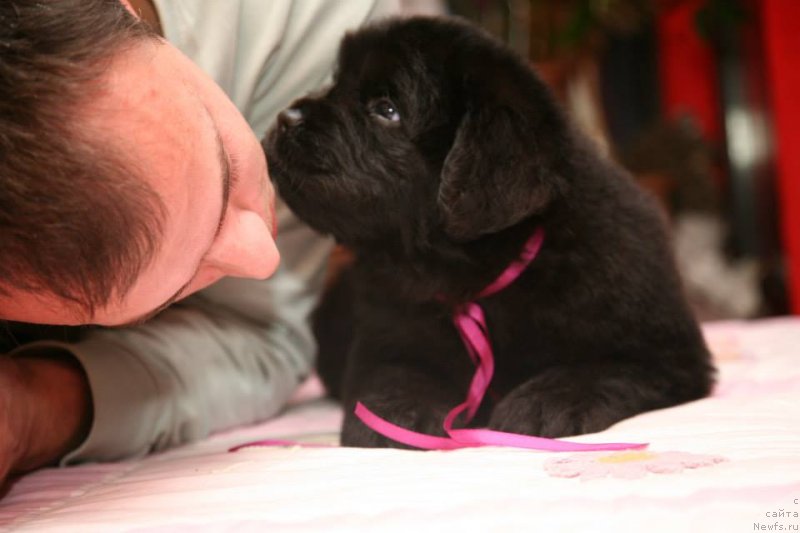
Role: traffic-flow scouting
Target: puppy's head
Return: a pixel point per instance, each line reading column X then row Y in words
column 432, row 130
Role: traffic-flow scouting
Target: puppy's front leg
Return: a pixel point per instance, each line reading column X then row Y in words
column 572, row 400
column 413, row 397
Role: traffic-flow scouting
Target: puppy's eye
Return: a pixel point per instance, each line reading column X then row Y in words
column 384, row 109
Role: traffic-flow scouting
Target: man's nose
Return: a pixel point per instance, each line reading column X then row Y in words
column 247, row 249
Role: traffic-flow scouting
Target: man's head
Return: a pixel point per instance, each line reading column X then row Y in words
column 128, row 179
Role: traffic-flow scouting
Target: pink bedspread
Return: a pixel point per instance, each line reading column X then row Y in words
column 727, row 463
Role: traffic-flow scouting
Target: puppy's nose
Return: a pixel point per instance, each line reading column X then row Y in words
column 290, row 118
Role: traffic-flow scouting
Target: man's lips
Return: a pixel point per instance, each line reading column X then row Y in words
column 274, row 220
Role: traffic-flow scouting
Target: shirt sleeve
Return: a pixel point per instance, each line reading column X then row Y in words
column 233, row 353
column 227, row 356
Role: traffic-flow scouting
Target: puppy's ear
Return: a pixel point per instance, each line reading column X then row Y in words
column 499, row 170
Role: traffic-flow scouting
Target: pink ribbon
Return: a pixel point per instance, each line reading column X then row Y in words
column 471, row 324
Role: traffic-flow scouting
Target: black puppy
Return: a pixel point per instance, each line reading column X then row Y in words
column 434, row 157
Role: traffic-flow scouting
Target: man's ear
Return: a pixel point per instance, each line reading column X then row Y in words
column 496, row 174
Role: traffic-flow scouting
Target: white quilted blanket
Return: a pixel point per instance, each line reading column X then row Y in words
column 727, row 463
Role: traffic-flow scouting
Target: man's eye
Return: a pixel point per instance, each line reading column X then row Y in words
column 384, row 109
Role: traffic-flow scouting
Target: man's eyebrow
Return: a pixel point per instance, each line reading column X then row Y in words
column 225, row 172
column 227, row 181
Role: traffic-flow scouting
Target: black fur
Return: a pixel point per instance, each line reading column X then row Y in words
column 436, row 204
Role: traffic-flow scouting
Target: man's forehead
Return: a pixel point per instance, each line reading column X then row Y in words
column 152, row 119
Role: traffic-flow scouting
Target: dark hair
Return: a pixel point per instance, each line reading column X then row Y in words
column 75, row 219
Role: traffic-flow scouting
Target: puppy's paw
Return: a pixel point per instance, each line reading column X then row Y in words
column 427, row 419
column 561, row 403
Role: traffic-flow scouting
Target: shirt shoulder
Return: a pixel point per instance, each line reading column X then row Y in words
column 265, row 53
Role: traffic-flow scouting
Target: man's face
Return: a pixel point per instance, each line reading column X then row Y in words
column 193, row 147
